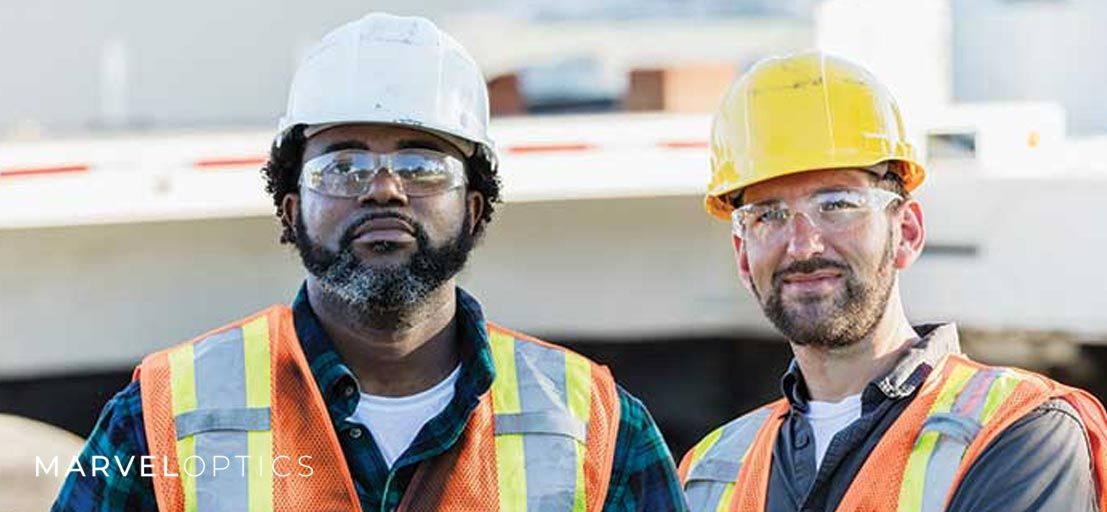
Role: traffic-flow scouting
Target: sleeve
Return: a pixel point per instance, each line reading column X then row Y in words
column 107, row 475
column 1040, row 463
column 643, row 476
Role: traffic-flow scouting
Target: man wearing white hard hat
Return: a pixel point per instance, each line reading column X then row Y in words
column 382, row 387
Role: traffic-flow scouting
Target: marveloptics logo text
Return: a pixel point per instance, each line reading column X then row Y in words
column 282, row 466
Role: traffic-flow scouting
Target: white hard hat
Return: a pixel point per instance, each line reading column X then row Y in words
column 392, row 70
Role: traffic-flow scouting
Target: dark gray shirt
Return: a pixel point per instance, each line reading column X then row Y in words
column 1040, row 463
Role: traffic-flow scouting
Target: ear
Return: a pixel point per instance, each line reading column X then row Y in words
column 743, row 260
column 912, row 232
column 290, row 210
column 475, row 202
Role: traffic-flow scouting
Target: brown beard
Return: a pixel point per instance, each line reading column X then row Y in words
column 839, row 322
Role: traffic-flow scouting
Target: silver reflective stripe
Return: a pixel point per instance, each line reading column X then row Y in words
column 221, row 385
column 704, row 496
column 719, row 467
column 553, row 422
column 958, row 428
column 550, row 460
column 723, row 460
column 717, row 470
column 206, row 420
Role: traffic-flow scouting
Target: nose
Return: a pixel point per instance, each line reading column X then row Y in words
column 805, row 240
column 384, row 190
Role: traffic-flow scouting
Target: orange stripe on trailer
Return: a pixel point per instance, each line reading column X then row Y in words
column 682, row 144
column 551, row 148
column 230, row 162
column 35, row 171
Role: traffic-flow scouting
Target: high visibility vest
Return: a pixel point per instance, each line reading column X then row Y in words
column 541, row 439
column 918, row 463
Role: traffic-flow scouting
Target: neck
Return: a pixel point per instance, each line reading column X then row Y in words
column 403, row 354
column 836, row 373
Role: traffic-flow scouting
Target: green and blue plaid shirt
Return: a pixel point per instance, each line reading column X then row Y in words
column 643, row 476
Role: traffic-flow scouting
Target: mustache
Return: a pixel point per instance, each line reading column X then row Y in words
column 809, row 265
column 348, row 234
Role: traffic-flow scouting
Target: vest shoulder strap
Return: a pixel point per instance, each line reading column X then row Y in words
column 224, row 408
column 712, row 469
column 551, row 405
column 960, row 408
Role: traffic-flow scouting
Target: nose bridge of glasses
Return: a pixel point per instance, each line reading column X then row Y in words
column 383, row 180
column 804, row 234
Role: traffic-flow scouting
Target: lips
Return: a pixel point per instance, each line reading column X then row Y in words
column 811, row 283
column 811, row 277
column 384, row 229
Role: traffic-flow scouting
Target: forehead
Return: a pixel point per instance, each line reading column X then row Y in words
column 376, row 137
column 805, row 183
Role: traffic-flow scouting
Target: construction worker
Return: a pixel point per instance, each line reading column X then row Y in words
column 811, row 165
column 382, row 387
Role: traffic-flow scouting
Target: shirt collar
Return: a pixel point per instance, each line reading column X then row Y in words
column 337, row 382
column 934, row 343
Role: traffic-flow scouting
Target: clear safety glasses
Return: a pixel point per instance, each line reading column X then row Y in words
column 350, row 173
column 831, row 211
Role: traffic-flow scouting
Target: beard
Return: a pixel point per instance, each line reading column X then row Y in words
column 376, row 293
column 842, row 320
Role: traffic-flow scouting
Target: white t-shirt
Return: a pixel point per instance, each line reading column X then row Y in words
column 829, row 418
column 395, row 421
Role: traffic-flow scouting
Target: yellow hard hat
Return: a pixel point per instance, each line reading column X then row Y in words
column 804, row 112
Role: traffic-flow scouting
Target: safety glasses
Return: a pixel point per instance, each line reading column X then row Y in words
column 350, row 173
column 831, row 211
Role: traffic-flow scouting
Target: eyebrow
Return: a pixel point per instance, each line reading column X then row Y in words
column 344, row 144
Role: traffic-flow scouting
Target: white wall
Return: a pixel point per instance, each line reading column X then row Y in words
column 83, row 297
column 1034, row 50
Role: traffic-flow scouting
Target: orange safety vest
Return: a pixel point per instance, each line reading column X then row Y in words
column 916, row 467
column 231, row 415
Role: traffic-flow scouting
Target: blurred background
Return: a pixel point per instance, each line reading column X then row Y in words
column 133, row 215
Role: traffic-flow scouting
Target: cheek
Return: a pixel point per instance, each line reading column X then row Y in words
column 866, row 254
column 321, row 219
column 763, row 262
column 442, row 216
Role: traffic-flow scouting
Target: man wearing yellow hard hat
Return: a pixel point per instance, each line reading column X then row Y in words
column 811, row 165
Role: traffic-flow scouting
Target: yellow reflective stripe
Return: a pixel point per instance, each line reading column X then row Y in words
column 182, row 385
column 182, row 379
column 1001, row 388
column 579, row 501
column 505, row 387
column 186, row 448
column 578, row 387
column 259, row 486
column 724, row 500
column 259, row 444
column 914, row 476
column 255, row 341
column 510, row 461
column 703, row 446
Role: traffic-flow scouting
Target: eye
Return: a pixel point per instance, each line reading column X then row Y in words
column 771, row 216
column 840, row 201
column 840, row 204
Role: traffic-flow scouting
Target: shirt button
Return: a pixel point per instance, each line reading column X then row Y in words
column 348, row 391
column 355, row 433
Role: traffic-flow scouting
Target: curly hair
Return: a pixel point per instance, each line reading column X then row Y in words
column 282, row 176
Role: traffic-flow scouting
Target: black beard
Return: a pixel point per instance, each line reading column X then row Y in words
column 382, row 296
column 849, row 318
